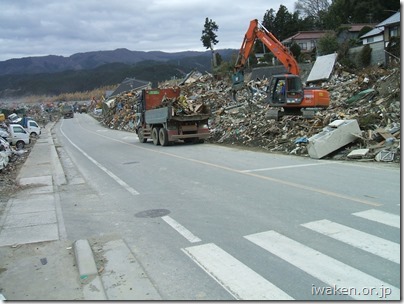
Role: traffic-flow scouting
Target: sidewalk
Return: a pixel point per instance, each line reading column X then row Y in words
column 37, row 262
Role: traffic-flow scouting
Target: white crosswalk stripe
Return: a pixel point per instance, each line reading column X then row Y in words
column 238, row 279
column 380, row 217
column 339, row 279
column 321, row 266
column 370, row 243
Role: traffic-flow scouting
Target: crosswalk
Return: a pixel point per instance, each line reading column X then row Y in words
column 339, row 279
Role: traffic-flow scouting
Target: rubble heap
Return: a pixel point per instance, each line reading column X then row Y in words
column 372, row 97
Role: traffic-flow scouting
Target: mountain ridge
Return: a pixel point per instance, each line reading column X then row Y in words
column 91, row 60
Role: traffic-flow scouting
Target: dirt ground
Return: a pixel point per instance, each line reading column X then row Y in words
column 8, row 179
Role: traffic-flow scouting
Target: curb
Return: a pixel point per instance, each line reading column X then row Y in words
column 92, row 285
column 58, row 174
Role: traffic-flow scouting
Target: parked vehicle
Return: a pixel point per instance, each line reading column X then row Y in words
column 14, row 118
column 164, row 125
column 18, row 136
column 33, row 128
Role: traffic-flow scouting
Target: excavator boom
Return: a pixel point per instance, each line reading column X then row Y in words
column 285, row 91
column 257, row 30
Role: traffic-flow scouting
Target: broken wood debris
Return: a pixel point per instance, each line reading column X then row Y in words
column 371, row 97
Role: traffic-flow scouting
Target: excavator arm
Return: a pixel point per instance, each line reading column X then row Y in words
column 257, row 31
column 284, row 91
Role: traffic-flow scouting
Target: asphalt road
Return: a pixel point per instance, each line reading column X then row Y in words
column 209, row 222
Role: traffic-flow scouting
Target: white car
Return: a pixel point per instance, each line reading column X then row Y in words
column 14, row 118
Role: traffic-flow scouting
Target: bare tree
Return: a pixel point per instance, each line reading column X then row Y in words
column 312, row 8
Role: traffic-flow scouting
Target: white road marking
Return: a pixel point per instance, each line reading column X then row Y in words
column 181, row 229
column 321, row 266
column 380, row 217
column 285, row 167
column 238, row 279
column 112, row 175
column 370, row 243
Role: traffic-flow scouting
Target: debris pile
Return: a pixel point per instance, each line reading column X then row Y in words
column 121, row 111
column 372, row 98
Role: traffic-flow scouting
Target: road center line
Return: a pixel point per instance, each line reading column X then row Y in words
column 275, row 180
column 285, row 167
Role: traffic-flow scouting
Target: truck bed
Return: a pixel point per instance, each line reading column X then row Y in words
column 161, row 115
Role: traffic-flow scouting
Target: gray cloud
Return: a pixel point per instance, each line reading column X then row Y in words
column 42, row 27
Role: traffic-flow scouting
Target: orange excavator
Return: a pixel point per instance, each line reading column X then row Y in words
column 284, row 91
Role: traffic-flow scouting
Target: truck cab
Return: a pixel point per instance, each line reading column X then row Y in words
column 33, row 128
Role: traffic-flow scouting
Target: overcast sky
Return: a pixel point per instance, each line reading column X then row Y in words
column 65, row 27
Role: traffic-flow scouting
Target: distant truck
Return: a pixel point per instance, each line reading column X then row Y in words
column 67, row 111
column 160, row 120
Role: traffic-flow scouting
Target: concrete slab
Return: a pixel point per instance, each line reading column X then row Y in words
column 36, row 180
column 27, row 235
column 85, row 259
column 91, row 282
column 123, row 277
column 358, row 153
column 30, row 219
column 35, row 204
column 322, row 68
column 336, row 135
column 39, row 272
column 42, row 190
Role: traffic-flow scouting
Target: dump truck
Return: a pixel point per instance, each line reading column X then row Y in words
column 165, row 116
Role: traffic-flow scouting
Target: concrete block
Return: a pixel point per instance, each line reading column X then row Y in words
column 336, row 135
column 358, row 153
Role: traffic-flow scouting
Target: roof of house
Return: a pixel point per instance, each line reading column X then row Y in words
column 305, row 36
column 375, row 32
column 129, row 84
column 358, row 26
column 379, row 29
column 393, row 19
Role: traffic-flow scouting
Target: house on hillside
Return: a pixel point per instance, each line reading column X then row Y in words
column 351, row 31
column 379, row 38
column 130, row 84
column 127, row 85
column 307, row 40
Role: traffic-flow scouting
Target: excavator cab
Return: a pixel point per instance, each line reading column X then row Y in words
column 285, row 90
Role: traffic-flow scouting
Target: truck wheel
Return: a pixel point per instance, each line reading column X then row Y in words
column 163, row 137
column 155, row 136
column 19, row 145
column 140, row 134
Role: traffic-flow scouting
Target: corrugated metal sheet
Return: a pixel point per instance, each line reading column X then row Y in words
column 322, row 68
